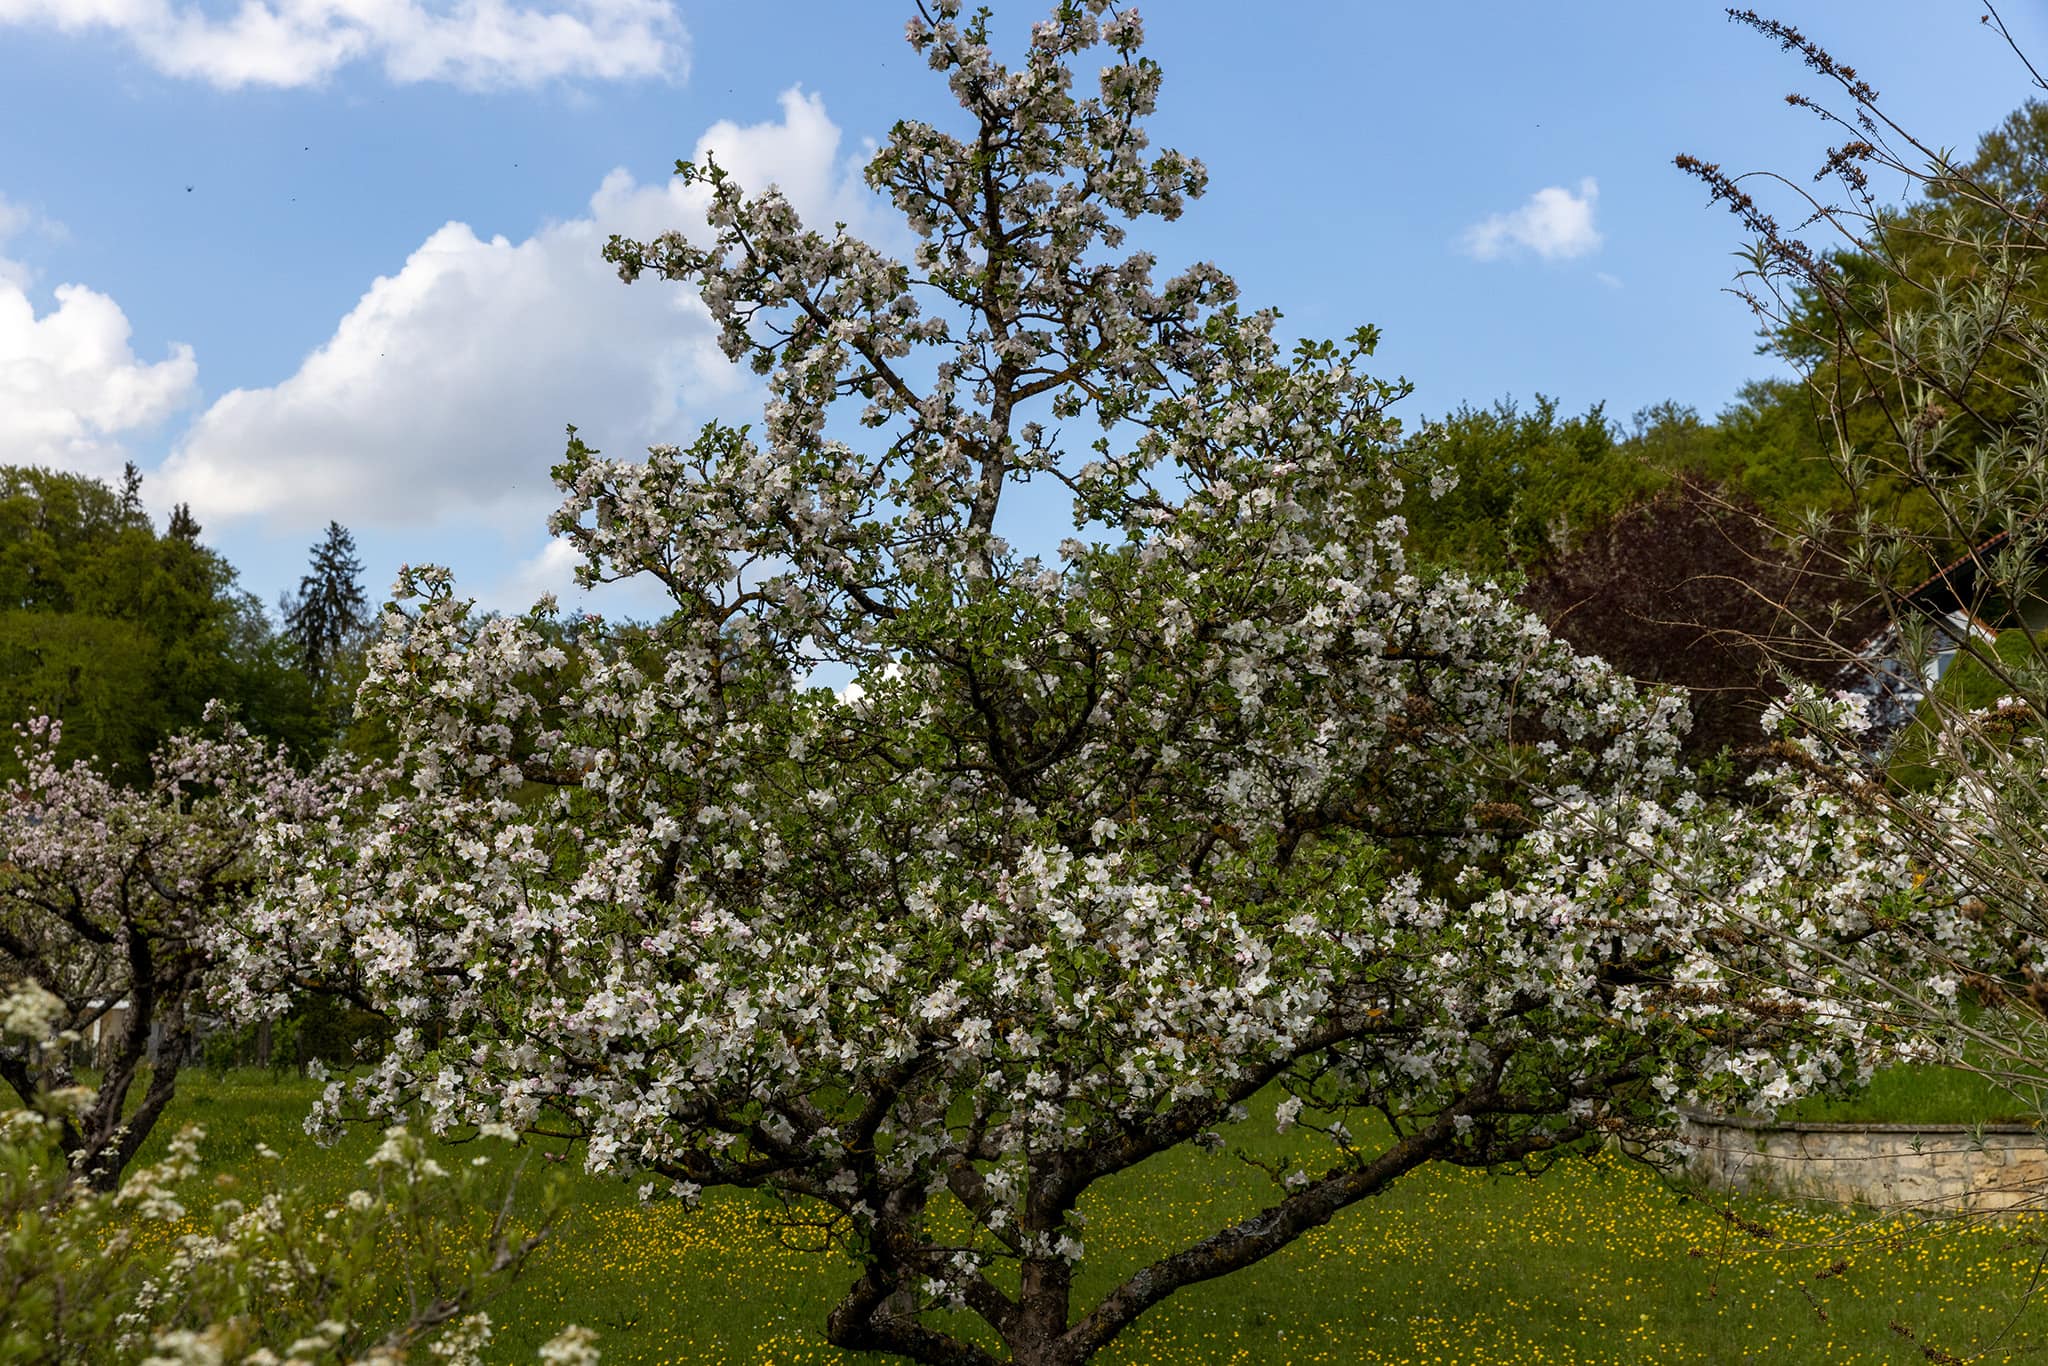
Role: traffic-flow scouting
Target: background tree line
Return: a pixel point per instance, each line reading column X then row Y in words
column 1724, row 555
column 1663, row 546
column 125, row 633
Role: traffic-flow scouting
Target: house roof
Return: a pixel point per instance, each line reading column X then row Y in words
column 1959, row 585
column 1954, row 586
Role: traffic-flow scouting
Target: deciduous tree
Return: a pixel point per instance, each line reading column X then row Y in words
column 114, row 901
column 1693, row 588
column 123, row 634
column 1099, row 846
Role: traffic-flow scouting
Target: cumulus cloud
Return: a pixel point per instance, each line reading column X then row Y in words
column 552, row 572
column 444, row 391
column 71, row 386
column 1555, row 224
column 476, row 44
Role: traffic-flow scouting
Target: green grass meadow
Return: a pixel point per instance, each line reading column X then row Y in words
column 1919, row 1094
column 1594, row 1261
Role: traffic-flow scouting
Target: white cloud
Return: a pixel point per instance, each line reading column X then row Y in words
column 476, row 44
column 71, row 387
column 13, row 219
column 444, row 391
column 1555, row 224
column 552, row 571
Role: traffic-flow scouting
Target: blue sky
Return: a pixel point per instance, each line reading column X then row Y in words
column 337, row 258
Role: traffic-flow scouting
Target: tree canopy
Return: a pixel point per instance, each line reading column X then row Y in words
column 123, row 634
column 1520, row 489
column 1097, row 847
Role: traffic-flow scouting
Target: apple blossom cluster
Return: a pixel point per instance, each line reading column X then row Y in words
column 1953, row 874
column 1902, row 916
column 112, row 904
column 1222, row 799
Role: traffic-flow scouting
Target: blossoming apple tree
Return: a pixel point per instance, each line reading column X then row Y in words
column 112, row 904
column 1217, row 806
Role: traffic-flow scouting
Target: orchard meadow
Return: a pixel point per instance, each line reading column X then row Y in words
column 1284, row 916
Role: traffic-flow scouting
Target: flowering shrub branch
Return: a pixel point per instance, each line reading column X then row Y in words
column 163, row 1275
column 1918, row 332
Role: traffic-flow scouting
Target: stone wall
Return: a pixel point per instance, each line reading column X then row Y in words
column 1938, row 1168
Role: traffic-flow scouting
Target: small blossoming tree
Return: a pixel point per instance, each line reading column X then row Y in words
column 1097, row 848
column 113, row 901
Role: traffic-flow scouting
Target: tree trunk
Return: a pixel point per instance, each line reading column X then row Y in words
column 1038, row 1337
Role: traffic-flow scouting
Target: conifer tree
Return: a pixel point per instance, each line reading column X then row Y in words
column 330, row 610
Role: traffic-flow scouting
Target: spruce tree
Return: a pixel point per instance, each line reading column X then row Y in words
column 183, row 526
column 330, row 609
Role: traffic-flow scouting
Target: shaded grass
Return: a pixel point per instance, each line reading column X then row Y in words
column 1915, row 1093
column 1595, row 1261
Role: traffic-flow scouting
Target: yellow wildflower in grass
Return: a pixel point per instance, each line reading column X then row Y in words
column 1594, row 1262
